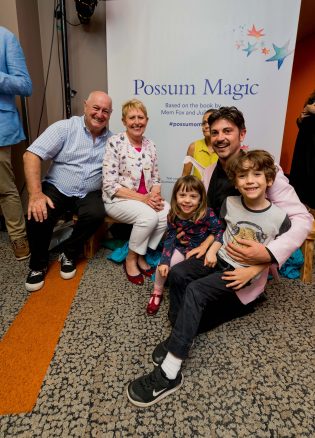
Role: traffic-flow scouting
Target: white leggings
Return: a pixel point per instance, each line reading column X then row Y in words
column 177, row 257
column 148, row 225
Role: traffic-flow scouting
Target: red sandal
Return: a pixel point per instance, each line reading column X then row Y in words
column 152, row 306
column 135, row 279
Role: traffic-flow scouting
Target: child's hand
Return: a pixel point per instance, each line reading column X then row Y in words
column 241, row 276
column 210, row 259
column 199, row 252
column 163, row 270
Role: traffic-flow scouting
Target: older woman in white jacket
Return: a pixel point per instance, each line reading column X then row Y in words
column 132, row 188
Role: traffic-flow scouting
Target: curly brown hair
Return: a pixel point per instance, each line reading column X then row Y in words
column 260, row 160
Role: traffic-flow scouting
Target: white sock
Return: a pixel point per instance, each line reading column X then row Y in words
column 171, row 365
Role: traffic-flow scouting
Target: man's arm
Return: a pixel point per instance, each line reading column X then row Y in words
column 37, row 203
column 17, row 81
column 249, row 252
column 284, row 196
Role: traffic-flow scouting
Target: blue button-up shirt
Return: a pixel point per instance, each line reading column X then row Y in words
column 76, row 167
column 14, row 81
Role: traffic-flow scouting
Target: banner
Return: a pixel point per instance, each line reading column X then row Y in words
column 182, row 57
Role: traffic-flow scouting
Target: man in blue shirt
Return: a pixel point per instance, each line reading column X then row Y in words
column 73, row 183
column 14, row 81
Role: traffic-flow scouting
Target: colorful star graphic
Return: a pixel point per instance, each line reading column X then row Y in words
column 265, row 51
column 255, row 33
column 280, row 54
column 250, row 48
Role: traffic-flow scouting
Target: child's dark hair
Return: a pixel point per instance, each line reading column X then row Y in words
column 260, row 160
column 188, row 183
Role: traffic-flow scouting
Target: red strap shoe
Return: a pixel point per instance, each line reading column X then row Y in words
column 154, row 303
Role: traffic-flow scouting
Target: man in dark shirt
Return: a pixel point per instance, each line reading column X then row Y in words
column 227, row 128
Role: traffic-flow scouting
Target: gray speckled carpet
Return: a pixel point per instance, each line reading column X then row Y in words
column 252, row 377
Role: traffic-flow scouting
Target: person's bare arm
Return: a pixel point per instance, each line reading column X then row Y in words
column 125, row 193
column 188, row 166
column 211, row 256
column 37, row 203
column 152, row 199
column 200, row 250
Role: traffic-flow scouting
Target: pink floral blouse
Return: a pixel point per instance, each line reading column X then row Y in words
column 123, row 166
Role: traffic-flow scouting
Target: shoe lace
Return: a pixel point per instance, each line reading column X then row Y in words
column 19, row 243
column 151, row 381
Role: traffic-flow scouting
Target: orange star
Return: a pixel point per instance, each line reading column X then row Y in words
column 255, row 33
column 265, row 51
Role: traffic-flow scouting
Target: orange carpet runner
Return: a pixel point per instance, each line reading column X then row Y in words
column 28, row 346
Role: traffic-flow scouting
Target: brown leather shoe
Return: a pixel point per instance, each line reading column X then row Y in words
column 20, row 248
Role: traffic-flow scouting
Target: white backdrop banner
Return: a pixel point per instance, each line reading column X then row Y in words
column 182, row 57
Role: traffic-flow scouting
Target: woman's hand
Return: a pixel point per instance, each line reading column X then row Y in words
column 309, row 109
column 164, row 270
column 155, row 201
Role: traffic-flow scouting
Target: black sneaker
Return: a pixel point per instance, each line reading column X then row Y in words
column 153, row 387
column 35, row 280
column 67, row 268
column 160, row 352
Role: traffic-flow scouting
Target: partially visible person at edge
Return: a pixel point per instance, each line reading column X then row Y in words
column 302, row 174
column 14, row 81
column 227, row 128
column 132, row 189
column 73, row 184
column 201, row 150
column 188, row 212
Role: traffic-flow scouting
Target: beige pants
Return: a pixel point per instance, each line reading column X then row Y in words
column 148, row 225
column 10, row 201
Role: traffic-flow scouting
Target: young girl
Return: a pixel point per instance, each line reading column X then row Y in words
column 201, row 150
column 190, row 214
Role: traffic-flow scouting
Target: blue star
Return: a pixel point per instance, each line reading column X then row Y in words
column 250, row 48
column 280, row 54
